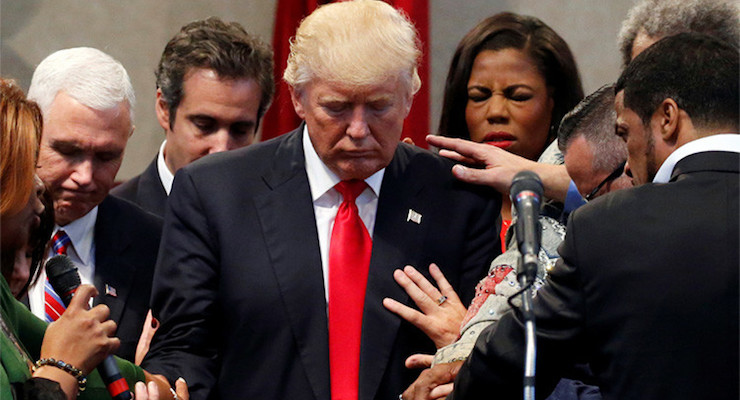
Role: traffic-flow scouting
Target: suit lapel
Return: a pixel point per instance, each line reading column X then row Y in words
column 113, row 272
column 393, row 236
column 150, row 192
column 287, row 218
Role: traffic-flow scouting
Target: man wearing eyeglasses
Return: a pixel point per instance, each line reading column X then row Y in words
column 594, row 155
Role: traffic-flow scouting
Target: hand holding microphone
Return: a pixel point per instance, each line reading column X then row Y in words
column 82, row 337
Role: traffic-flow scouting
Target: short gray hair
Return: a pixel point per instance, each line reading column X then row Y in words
column 661, row 18
column 88, row 75
column 593, row 119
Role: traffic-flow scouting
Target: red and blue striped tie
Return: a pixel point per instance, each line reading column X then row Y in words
column 53, row 305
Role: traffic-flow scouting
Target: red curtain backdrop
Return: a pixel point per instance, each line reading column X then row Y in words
column 281, row 117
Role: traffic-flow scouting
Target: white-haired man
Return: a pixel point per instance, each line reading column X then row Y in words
column 87, row 102
column 286, row 275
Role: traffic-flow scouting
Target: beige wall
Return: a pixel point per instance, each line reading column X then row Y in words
column 135, row 32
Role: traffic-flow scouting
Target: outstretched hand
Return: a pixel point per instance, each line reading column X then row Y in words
column 498, row 166
column 81, row 337
column 441, row 312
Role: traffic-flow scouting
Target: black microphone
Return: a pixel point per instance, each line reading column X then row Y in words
column 63, row 277
column 526, row 195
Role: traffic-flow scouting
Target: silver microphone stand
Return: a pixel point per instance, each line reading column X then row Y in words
column 530, row 355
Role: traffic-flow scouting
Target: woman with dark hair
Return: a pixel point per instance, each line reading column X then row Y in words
column 511, row 81
column 532, row 41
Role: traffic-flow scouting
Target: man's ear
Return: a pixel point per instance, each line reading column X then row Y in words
column 296, row 97
column 162, row 109
column 667, row 119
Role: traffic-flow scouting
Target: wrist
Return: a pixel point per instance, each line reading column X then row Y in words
column 66, row 374
column 555, row 180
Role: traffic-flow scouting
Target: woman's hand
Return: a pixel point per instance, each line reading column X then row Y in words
column 442, row 311
column 498, row 166
column 81, row 337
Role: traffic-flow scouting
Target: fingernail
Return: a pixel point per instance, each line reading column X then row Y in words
column 181, row 379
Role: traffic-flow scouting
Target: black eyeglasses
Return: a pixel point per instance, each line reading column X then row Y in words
column 614, row 175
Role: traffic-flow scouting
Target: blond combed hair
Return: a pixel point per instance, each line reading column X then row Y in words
column 21, row 130
column 356, row 43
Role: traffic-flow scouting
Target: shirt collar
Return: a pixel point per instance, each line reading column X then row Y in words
column 165, row 175
column 321, row 179
column 81, row 232
column 729, row 142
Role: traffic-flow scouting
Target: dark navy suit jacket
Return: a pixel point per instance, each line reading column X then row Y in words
column 239, row 288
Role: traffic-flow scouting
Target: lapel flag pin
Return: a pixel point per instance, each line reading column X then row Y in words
column 110, row 291
column 413, row 217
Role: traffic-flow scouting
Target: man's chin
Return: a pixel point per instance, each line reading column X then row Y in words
column 63, row 215
column 357, row 169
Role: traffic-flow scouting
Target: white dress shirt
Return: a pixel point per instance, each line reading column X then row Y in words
column 326, row 201
column 165, row 175
column 720, row 142
column 81, row 251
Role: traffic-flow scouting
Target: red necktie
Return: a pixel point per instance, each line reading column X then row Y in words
column 53, row 306
column 349, row 259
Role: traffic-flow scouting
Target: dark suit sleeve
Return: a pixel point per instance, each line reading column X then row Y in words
column 496, row 365
column 184, row 294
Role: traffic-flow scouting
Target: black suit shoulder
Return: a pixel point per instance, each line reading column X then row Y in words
column 436, row 170
column 118, row 209
column 252, row 160
column 260, row 168
column 144, row 190
column 127, row 190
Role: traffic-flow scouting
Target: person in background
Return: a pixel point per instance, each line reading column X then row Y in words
column 651, row 20
column 87, row 101
column 81, row 337
column 638, row 272
column 214, row 84
column 278, row 303
column 511, row 81
column 594, row 155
